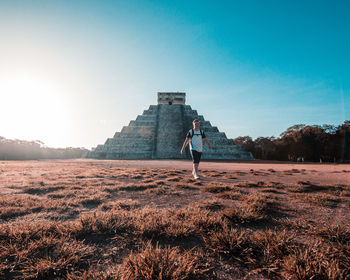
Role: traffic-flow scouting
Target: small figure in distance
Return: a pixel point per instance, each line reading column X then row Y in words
column 195, row 138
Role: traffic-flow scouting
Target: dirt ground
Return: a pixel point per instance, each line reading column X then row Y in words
column 16, row 175
column 308, row 201
column 318, row 173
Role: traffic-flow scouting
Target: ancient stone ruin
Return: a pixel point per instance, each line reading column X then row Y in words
column 160, row 132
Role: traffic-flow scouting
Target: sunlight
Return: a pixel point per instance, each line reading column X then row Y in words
column 31, row 108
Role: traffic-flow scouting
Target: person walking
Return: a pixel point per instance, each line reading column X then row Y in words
column 195, row 138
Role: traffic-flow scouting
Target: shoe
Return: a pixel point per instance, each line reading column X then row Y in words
column 196, row 176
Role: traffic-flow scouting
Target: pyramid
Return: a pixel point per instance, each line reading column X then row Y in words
column 160, row 131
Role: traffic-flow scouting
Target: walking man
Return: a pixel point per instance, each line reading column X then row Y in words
column 195, row 137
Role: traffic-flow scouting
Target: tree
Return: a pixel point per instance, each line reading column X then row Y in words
column 265, row 147
column 246, row 142
column 292, row 129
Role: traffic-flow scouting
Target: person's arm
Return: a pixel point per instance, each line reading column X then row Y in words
column 185, row 145
column 207, row 142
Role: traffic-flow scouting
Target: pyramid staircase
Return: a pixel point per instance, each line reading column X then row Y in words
column 160, row 131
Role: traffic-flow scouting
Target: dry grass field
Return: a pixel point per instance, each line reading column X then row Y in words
column 89, row 219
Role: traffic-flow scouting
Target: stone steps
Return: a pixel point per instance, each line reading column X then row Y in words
column 221, row 142
column 215, row 135
column 124, row 148
column 210, row 129
column 142, row 123
column 152, row 117
column 230, row 156
column 137, row 131
column 127, row 144
column 143, row 133
column 169, row 131
column 128, row 155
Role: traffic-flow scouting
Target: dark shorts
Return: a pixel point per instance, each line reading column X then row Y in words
column 196, row 156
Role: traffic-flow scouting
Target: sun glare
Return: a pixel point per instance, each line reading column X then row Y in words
column 31, row 109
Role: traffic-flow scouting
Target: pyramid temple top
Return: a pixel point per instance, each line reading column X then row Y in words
column 171, row 98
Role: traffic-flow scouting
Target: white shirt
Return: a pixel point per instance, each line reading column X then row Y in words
column 196, row 143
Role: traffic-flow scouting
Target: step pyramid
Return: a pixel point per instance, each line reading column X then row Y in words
column 160, row 131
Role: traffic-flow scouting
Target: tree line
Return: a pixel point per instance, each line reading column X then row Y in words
column 325, row 143
column 316, row 143
column 32, row 150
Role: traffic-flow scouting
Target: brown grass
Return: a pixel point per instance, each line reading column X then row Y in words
column 317, row 261
column 212, row 205
column 154, row 262
column 323, row 199
column 308, row 187
column 19, row 206
column 339, row 234
column 138, row 187
column 185, row 186
column 260, row 250
column 118, row 205
column 232, row 194
column 258, row 184
column 216, row 188
column 90, row 220
column 41, row 252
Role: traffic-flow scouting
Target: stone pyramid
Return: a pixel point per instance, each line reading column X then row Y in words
column 160, row 131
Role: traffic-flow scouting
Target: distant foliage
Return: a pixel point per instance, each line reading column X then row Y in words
column 325, row 143
column 31, row 150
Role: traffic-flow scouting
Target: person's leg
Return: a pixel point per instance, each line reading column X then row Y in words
column 195, row 168
column 195, row 157
column 193, row 160
column 195, row 171
column 198, row 159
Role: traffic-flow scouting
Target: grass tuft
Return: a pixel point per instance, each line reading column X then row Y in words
column 155, row 262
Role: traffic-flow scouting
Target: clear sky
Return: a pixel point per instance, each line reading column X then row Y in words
column 72, row 73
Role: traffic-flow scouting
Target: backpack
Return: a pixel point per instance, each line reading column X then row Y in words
column 192, row 132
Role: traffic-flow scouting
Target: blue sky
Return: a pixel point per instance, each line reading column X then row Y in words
column 74, row 72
